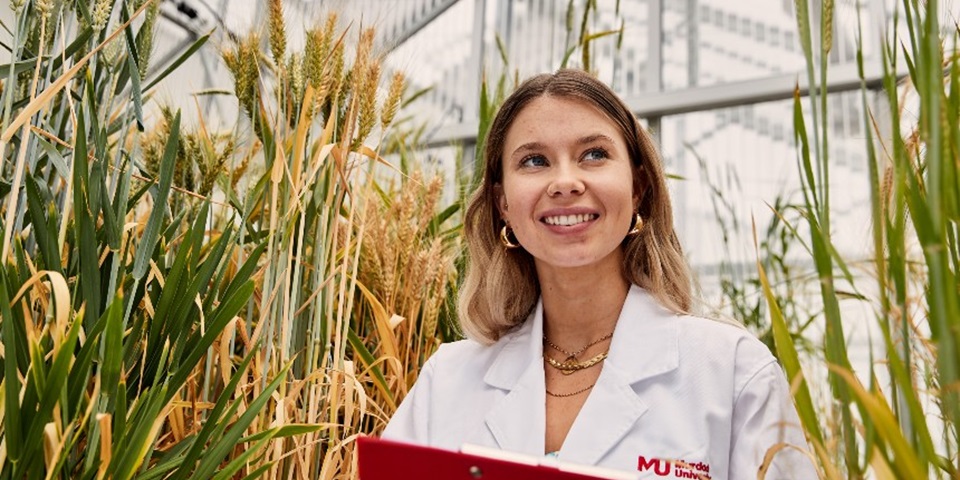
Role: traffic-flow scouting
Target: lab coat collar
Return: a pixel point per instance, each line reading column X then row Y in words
column 645, row 344
column 646, row 340
column 518, row 368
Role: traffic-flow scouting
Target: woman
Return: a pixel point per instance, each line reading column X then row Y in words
column 575, row 304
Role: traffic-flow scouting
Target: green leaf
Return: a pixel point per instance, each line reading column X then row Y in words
column 808, row 181
column 121, row 199
column 212, row 261
column 83, row 364
column 23, row 65
column 54, row 387
column 112, row 228
column 138, row 443
column 257, row 473
column 907, row 465
column 288, row 430
column 171, row 460
column 369, row 361
column 224, row 314
column 168, row 322
column 78, row 43
column 217, row 452
column 151, row 233
column 487, row 112
column 85, row 229
column 245, row 271
column 242, row 460
column 566, row 56
column 902, row 377
column 112, row 349
column 133, row 62
column 41, row 229
column 216, row 421
column 12, row 429
column 120, row 410
column 438, row 220
column 179, row 61
column 135, row 93
column 787, row 353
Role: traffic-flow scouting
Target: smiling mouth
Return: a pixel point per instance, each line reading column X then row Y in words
column 570, row 220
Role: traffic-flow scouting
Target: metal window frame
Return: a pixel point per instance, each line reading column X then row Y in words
column 656, row 105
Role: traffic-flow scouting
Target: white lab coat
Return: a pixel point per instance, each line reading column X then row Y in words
column 673, row 388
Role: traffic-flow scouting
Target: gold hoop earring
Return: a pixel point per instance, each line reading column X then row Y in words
column 505, row 233
column 637, row 225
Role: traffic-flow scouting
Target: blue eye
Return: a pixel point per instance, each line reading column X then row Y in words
column 534, row 161
column 595, row 154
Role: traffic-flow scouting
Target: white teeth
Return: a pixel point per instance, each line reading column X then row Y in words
column 569, row 220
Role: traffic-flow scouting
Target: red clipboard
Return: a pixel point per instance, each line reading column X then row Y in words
column 380, row 459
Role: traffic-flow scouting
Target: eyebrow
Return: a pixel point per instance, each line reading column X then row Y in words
column 594, row 138
column 527, row 147
column 534, row 146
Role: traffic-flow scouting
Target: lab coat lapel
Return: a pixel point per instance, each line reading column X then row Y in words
column 645, row 344
column 517, row 420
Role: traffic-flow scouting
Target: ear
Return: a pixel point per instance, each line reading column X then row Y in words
column 501, row 201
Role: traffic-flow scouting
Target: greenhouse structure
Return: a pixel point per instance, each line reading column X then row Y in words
column 235, row 231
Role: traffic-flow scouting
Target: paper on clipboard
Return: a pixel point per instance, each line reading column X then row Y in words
column 390, row 460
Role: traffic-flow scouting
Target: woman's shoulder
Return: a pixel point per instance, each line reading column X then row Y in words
column 696, row 334
column 696, row 326
column 469, row 350
column 460, row 350
column 466, row 353
column 711, row 338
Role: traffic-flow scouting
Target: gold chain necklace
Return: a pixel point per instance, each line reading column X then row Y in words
column 571, row 394
column 578, row 352
column 569, row 366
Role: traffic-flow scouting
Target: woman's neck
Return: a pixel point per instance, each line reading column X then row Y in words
column 581, row 305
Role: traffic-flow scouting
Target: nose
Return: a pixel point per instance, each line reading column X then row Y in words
column 566, row 181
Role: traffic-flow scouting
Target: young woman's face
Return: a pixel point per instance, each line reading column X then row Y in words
column 567, row 189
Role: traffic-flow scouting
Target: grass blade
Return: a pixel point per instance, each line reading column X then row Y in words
column 215, row 455
column 12, row 428
column 179, row 61
column 42, row 231
column 152, row 231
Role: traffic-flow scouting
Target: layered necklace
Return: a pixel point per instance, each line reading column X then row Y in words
column 572, row 364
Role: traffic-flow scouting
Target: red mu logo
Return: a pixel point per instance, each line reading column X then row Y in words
column 679, row 468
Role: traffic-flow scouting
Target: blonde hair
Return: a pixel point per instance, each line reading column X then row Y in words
column 500, row 286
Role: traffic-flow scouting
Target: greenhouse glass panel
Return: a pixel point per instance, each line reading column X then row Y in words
column 711, row 42
column 736, row 163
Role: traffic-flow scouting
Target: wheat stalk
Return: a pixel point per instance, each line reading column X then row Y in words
column 278, row 35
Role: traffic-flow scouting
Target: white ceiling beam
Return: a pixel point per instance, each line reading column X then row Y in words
column 698, row 99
